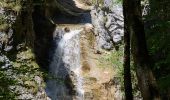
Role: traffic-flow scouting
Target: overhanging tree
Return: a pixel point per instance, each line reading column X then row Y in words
column 134, row 26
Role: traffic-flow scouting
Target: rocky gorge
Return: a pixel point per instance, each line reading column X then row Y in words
column 60, row 51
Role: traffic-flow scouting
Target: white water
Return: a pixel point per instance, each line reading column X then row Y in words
column 66, row 60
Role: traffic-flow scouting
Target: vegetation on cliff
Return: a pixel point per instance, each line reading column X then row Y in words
column 26, row 34
column 20, row 75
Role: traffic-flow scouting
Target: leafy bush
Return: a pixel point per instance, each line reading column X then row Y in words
column 157, row 25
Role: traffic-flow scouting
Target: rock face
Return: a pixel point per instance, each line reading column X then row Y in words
column 6, row 41
column 108, row 22
column 99, row 83
column 78, row 71
column 104, row 33
column 68, row 7
column 18, row 67
column 24, row 46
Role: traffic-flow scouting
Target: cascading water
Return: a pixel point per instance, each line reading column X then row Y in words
column 66, row 61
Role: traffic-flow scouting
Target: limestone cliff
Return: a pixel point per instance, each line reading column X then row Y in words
column 27, row 48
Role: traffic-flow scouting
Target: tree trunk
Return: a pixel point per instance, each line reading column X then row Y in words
column 127, row 74
column 146, row 80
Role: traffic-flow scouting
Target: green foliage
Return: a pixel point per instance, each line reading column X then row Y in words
column 118, row 1
column 98, row 2
column 101, row 2
column 113, row 59
column 3, row 23
column 158, row 40
column 5, row 81
column 159, row 43
column 158, row 37
column 9, row 7
column 164, row 82
column 22, row 72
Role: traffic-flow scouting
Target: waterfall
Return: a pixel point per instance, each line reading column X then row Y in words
column 65, row 62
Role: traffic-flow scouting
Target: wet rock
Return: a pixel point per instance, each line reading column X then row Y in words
column 88, row 95
column 88, row 28
column 97, row 52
